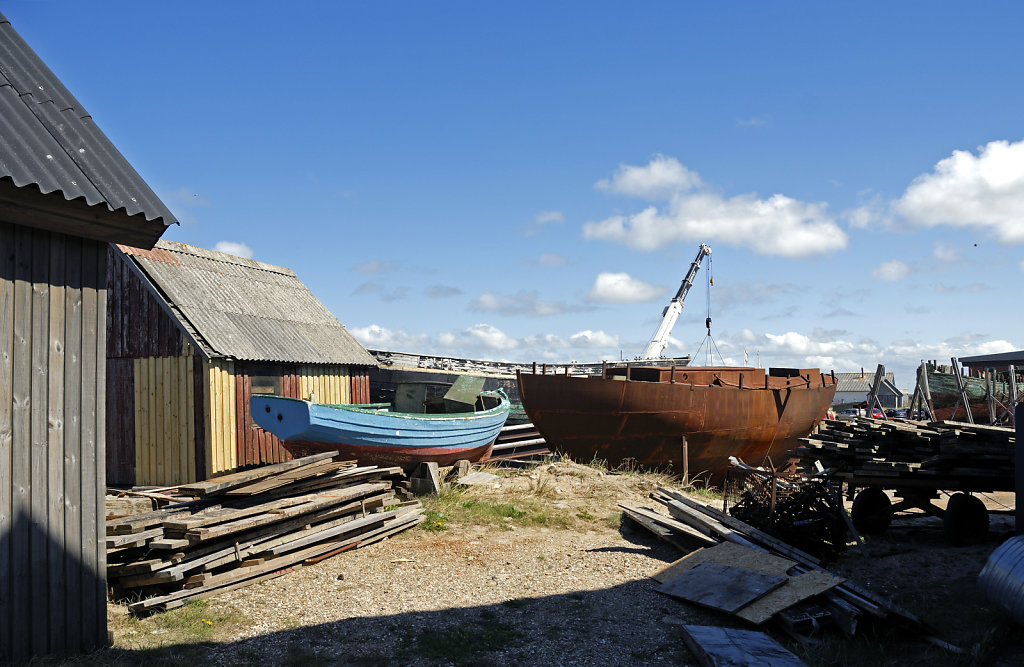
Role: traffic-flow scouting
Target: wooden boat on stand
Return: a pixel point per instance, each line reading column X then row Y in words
column 650, row 415
column 462, row 424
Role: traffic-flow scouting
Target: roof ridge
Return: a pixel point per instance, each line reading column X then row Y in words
column 218, row 256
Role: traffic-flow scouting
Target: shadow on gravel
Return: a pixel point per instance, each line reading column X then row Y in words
column 620, row 625
column 627, row 624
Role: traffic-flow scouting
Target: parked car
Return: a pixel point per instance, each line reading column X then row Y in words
column 877, row 414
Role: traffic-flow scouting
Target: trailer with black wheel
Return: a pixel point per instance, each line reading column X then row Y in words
column 918, row 462
column 964, row 518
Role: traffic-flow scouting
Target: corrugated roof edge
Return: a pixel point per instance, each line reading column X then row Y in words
column 175, row 247
column 110, row 173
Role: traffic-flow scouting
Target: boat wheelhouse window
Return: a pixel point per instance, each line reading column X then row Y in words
column 266, row 384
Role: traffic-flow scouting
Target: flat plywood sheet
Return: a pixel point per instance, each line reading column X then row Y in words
column 727, row 553
column 795, row 590
column 721, row 587
column 728, row 647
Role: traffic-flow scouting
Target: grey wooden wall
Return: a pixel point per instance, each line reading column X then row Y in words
column 52, row 392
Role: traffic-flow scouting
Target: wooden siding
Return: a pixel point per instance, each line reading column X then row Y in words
column 360, row 385
column 329, row 384
column 52, row 426
column 137, row 325
column 219, row 413
column 120, row 422
column 165, row 433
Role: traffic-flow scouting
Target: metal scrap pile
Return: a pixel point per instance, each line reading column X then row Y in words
column 806, row 514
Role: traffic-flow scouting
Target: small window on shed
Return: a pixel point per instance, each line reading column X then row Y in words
column 266, row 384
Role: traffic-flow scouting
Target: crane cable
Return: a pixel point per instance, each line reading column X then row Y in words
column 708, row 339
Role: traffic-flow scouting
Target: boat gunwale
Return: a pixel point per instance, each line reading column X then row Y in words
column 364, row 408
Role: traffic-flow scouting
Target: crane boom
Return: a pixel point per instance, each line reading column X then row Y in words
column 668, row 317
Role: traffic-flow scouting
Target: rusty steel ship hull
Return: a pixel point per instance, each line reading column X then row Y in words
column 721, row 411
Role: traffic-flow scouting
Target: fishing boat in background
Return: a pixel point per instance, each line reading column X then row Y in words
column 945, row 394
column 462, row 424
column 652, row 415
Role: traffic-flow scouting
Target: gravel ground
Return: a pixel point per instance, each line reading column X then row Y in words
column 511, row 594
column 509, row 598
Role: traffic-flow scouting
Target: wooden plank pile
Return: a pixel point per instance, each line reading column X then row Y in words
column 796, row 593
column 900, row 449
column 519, row 443
column 251, row 526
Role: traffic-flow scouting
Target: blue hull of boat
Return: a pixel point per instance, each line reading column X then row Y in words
column 377, row 436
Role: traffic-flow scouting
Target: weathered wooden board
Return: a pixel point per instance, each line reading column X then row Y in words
column 796, row 590
column 237, row 479
column 727, row 553
column 728, row 647
column 721, row 587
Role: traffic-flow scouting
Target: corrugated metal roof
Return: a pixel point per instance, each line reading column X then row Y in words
column 246, row 309
column 858, row 382
column 48, row 140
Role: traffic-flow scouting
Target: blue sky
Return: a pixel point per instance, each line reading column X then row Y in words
column 531, row 181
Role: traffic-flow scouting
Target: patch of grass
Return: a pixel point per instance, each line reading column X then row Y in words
column 706, row 492
column 614, row 520
column 549, row 518
column 436, row 521
column 585, row 515
column 196, row 621
column 496, row 511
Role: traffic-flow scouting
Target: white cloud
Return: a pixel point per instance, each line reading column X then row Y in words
column 892, row 270
column 594, row 339
column 233, row 248
column 623, row 288
column 945, row 253
column 397, row 340
column 491, row 337
column 873, row 210
column 778, row 225
column 545, row 341
column 544, row 217
column 660, row 178
column 984, row 191
column 521, row 303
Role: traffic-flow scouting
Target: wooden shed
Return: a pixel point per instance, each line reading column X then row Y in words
column 192, row 334
column 65, row 192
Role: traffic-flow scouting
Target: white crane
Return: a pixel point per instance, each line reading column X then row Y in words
column 668, row 317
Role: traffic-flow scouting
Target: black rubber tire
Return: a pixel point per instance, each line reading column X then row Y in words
column 965, row 520
column 872, row 511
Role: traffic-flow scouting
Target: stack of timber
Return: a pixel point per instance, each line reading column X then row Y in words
column 250, row 526
column 786, row 585
column 519, row 443
column 945, row 454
